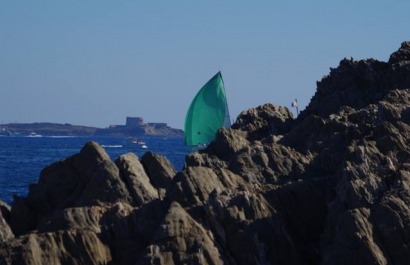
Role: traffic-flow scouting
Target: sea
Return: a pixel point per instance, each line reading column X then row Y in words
column 23, row 157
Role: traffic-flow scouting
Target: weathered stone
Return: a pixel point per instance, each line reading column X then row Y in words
column 104, row 186
column 194, row 185
column 227, row 143
column 136, row 179
column 5, row 210
column 62, row 247
column 5, row 230
column 354, row 241
column 181, row 240
column 77, row 218
column 402, row 54
column 160, row 171
column 264, row 120
column 330, row 187
column 22, row 217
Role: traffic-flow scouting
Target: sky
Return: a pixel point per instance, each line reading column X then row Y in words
column 95, row 62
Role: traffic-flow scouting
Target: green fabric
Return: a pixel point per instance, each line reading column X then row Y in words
column 206, row 114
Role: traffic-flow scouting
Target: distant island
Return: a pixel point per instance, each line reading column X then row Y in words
column 134, row 126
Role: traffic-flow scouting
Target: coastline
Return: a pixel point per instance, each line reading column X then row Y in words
column 66, row 129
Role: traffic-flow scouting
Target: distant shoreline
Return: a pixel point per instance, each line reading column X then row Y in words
column 66, row 129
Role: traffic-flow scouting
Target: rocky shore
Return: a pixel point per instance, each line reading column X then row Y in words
column 329, row 187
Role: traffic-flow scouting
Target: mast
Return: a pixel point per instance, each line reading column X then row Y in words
column 227, row 121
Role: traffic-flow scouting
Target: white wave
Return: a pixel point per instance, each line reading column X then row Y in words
column 61, row 136
column 112, row 145
column 34, row 136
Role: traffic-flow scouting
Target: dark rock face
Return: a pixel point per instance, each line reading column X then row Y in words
column 159, row 170
column 330, row 187
column 402, row 55
column 5, row 231
column 264, row 120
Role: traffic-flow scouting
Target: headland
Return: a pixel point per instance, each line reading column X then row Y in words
column 134, row 126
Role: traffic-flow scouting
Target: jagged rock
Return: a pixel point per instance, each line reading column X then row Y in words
column 193, row 185
column 87, row 178
column 76, row 218
column 390, row 219
column 250, row 228
column 160, row 171
column 268, row 163
column 267, row 119
column 402, row 54
column 227, row 143
column 5, row 230
column 354, row 241
column 181, row 240
column 105, row 186
column 63, row 183
column 298, row 137
column 62, row 247
column 5, row 210
column 136, row 179
column 354, row 84
column 128, row 230
column 22, row 217
column 329, row 187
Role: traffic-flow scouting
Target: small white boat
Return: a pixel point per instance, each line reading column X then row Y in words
column 4, row 132
column 138, row 142
column 33, row 134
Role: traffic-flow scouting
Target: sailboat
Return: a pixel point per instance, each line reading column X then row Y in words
column 207, row 113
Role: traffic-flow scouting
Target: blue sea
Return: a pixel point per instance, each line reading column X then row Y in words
column 23, row 158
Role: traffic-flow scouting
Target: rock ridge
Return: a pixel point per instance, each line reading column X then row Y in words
column 331, row 186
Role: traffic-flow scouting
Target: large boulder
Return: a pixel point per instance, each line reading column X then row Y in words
column 160, row 171
column 136, row 179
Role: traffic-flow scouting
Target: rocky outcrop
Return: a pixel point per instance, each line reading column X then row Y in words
column 5, row 231
column 160, row 171
column 55, row 129
column 60, row 247
column 329, row 187
column 136, row 179
column 264, row 120
column 179, row 239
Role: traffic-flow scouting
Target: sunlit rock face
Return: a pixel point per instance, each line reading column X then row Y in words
column 331, row 186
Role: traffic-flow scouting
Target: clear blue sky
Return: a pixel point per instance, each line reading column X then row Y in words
column 95, row 62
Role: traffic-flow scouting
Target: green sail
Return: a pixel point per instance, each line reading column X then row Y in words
column 207, row 113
